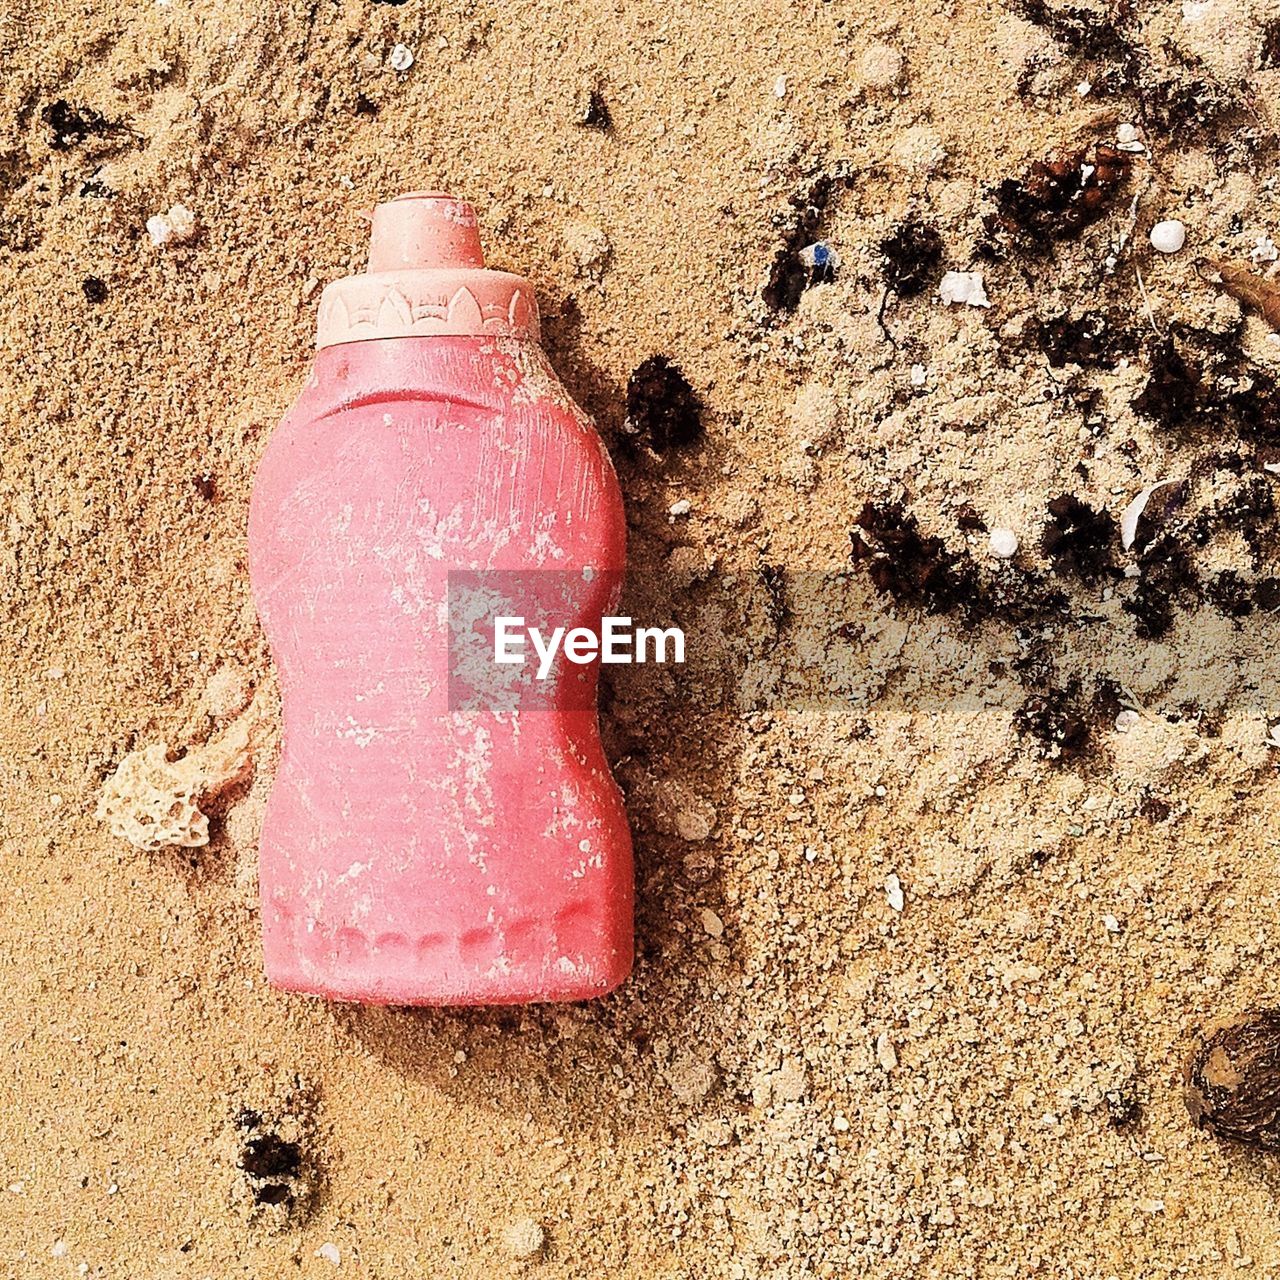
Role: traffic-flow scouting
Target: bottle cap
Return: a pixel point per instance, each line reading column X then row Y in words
column 426, row 277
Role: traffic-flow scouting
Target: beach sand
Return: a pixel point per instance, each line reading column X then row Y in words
column 923, row 936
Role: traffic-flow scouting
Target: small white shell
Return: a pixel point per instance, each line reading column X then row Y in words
column 1133, row 512
column 1169, row 236
column 1003, row 543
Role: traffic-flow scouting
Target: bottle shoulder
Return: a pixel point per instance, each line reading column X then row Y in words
column 480, row 444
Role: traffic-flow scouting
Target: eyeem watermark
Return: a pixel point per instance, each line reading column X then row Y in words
column 617, row 641
column 536, row 639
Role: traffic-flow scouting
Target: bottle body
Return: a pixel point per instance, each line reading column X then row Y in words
column 415, row 850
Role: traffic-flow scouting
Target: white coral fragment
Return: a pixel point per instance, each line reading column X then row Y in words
column 178, row 225
column 965, row 287
column 154, row 802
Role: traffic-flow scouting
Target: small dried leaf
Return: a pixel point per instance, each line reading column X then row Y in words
column 1232, row 1079
column 1253, row 290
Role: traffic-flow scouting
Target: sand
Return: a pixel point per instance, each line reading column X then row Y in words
column 808, row 1074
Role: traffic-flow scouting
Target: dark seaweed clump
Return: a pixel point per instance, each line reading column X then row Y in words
column 790, row 275
column 1079, row 29
column 1106, row 37
column 912, row 258
column 662, row 408
column 1056, row 199
column 1212, row 389
column 271, row 1164
column 1077, row 539
column 918, row 571
column 909, row 567
column 1173, row 395
column 1168, row 576
column 1061, row 719
column 1092, row 340
column 1269, row 54
column 275, row 1168
column 1249, row 510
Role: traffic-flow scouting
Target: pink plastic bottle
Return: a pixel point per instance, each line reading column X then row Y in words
column 414, row 850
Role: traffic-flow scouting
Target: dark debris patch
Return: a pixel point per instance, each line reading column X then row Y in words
column 1056, row 199
column 1078, row 540
column 905, row 564
column 1092, row 340
column 1081, row 29
column 790, row 275
column 94, row 289
column 1168, row 576
column 1055, row 721
column 774, row 579
column 593, row 111
column 275, row 1169
column 70, row 126
column 1230, row 593
column 1060, row 721
column 1269, row 53
column 1202, row 385
column 1123, row 1107
column 1173, row 395
column 918, row 571
column 1185, row 105
column 911, row 258
column 663, row 410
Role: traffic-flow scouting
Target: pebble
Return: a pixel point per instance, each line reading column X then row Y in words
column 712, row 923
column 780, row 87
column 1127, row 138
column 965, row 287
column 886, row 1054
column 1003, row 543
column 919, row 375
column 178, row 224
column 60, row 1249
column 401, row 58
column 893, row 892
column 1126, row 720
column 1111, row 924
column 524, row 1238
column 330, row 1253
column 681, row 508
column 1168, row 236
